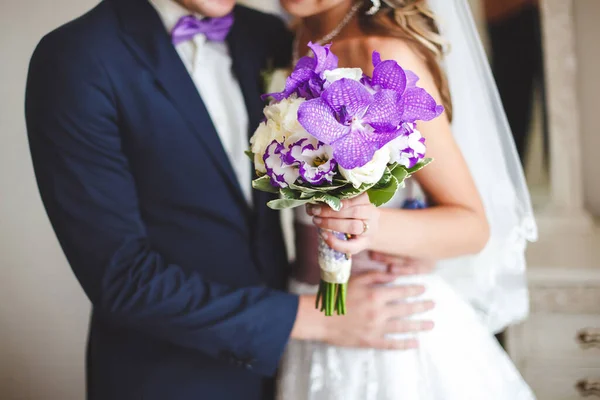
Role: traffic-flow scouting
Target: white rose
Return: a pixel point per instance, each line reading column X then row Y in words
column 285, row 114
column 263, row 136
column 331, row 76
column 282, row 122
column 277, row 80
column 369, row 173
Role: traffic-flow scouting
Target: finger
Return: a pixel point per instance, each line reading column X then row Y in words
column 396, row 293
column 402, row 270
column 388, row 258
column 413, row 267
column 352, row 246
column 361, row 211
column 349, row 226
column 391, row 344
column 371, row 278
column 403, row 309
column 408, row 326
column 354, row 201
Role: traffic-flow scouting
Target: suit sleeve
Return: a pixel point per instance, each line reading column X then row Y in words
column 90, row 196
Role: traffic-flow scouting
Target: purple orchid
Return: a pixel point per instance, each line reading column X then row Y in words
column 353, row 121
column 417, row 103
column 307, row 78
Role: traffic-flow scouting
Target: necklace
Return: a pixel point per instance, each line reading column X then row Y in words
column 327, row 38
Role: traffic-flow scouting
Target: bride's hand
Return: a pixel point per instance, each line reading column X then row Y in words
column 401, row 265
column 358, row 217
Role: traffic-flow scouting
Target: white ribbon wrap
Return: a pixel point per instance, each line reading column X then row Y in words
column 335, row 266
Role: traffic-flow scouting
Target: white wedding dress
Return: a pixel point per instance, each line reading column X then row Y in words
column 458, row 360
column 475, row 296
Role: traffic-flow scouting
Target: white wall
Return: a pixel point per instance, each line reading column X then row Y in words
column 43, row 312
column 587, row 13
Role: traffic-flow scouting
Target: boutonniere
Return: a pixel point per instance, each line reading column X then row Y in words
column 274, row 78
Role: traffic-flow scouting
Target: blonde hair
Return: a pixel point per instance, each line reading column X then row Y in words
column 412, row 20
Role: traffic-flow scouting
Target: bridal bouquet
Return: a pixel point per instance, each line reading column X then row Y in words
column 335, row 133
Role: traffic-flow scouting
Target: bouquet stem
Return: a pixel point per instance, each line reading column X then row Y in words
column 335, row 272
column 331, row 298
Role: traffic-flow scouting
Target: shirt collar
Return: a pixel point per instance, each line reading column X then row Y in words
column 170, row 12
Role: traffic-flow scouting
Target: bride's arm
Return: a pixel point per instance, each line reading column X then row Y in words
column 456, row 224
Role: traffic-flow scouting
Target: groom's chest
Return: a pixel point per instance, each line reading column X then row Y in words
column 168, row 133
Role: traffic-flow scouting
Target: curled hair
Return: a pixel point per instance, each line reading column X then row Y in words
column 412, row 20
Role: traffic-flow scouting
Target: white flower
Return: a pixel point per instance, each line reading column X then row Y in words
column 284, row 114
column 369, row 173
column 315, row 160
column 263, row 136
column 407, row 149
column 277, row 80
column 331, row 76
column 281, row 173
column 282, row 122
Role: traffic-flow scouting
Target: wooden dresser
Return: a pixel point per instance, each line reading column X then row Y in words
column 558, row 348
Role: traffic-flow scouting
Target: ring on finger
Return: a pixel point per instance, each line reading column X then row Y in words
column 365, row 227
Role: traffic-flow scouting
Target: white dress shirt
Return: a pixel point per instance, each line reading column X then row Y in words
column 209, row 65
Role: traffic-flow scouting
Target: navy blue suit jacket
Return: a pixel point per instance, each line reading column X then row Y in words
column 183, row 276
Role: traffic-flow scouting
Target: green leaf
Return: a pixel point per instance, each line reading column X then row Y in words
column 350, row 191
column 420, row 166
column 381, row 195
column 385, row 178
column 315, row 189
column 400, row 173
column 288, row 193
column 250, row 155
column 264, row 184
column 282, row 204
column 304, row 195
column 331, row 201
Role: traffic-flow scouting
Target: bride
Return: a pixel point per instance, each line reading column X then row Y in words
column 477, row 195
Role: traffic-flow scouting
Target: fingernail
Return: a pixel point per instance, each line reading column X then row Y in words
column 428, row 305
column 315, row 210
column 419, row 290
column 317, row 220
column 324, row 235
column 428, row 325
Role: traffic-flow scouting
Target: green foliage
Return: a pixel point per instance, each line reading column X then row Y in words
column 264, row 185
column 379, row 193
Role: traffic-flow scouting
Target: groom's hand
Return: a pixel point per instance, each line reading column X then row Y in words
column 403, row 266
column 374, row 312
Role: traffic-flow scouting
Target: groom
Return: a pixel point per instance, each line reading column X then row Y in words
column 138, row 114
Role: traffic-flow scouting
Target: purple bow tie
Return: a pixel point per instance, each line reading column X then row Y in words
column 215, row 29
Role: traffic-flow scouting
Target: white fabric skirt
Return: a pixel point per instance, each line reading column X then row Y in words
column 458, row 360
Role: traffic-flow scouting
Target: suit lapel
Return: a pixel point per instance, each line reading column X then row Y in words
column 146, row 36
column 246, row 68
column 242, row 49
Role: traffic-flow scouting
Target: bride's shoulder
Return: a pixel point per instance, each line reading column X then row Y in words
column 358, row 51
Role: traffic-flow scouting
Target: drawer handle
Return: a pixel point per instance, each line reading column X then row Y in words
column 588, row 338
column 588, row 387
